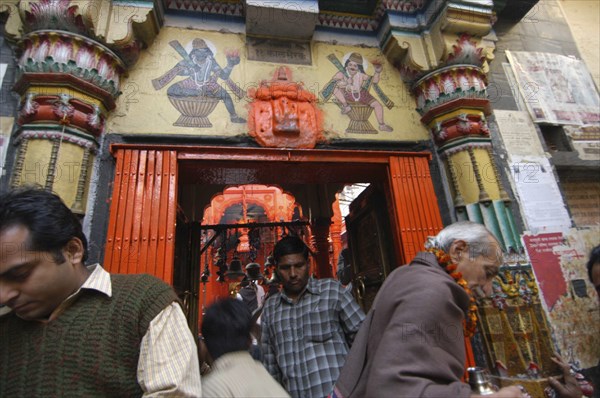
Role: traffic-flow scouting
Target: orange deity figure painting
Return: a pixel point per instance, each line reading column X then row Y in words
column 283, row 114
column 198, row 95
column 350, row 87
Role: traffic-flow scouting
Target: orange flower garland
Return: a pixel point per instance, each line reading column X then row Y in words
column 470, row 324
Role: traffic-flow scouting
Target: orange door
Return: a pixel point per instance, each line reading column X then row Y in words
column 141, row 228
column 415, row 204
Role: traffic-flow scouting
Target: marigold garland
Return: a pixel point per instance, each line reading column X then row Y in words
column 444, row 260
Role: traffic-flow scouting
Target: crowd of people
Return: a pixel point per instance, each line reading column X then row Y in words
column 67, row 329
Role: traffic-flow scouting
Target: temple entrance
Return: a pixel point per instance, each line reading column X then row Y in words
column 373, row 257
column 159, row 224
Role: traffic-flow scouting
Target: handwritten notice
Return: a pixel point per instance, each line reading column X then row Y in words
column 518, row 133
column 541, row 200
column 546, row 265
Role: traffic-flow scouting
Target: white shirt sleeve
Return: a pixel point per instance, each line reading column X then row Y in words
column 168, row 365
column 260, row 295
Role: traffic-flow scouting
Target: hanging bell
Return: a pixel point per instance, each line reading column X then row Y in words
column 235, row 272
column 204, row 277
column 222, row 270
column 253, row 271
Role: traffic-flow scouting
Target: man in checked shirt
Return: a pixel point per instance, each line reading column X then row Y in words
column 308, row 328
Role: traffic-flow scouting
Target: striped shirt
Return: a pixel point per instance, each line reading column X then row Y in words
column 168, row 363
column 305, row 343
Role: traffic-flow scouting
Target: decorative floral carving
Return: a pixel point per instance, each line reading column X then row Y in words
column 465, row 52
column 71, row 54
column 406, row 6
column 63, row 109
column 460, row 126
column 52, row 135
column 95, row 120
column 30, row 107
column 448, row 84
column 54, row 14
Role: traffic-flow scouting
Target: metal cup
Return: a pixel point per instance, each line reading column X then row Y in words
column 480, row 382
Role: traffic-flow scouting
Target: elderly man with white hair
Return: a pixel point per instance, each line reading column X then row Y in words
column 412, row 342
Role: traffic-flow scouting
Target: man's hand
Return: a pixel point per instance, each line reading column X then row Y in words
column 506, row 392
column 571, row 388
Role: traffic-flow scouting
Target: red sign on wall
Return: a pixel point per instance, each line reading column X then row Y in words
column 546, row 265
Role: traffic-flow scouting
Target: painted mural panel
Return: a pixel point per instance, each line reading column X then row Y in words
column 351, row 88
column 198, row 94
column 192, row 82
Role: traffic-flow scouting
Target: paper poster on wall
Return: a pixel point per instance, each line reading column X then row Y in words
column 518, row 133
column 541, row 201
column 6, row 125
column 556, row 89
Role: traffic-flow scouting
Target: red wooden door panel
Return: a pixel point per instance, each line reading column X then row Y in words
column 141, row 227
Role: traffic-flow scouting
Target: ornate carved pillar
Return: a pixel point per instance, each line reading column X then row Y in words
column 446, row 67
column 72, row 57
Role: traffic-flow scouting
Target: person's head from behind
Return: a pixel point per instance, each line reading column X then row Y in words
column 42, row 252
column 226, row 327
column 291, row 259
column 593, row 268
column 475, row 251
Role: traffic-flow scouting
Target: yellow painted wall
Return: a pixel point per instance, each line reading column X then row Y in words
column 67, row 172
column 486, row 171
column 143, row 110
column 35, row 164
column 465, row 175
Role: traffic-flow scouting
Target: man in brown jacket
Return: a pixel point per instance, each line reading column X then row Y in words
column 412, row 342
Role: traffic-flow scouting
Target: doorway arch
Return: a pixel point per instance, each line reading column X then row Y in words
column 143, row 211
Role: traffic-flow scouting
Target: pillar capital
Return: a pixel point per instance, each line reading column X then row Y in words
column 125, row 27
column 438, row 34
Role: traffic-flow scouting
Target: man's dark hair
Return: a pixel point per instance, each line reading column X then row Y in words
column 289, row 245
column 50, row 222
column 226, row 327
column 594, row 259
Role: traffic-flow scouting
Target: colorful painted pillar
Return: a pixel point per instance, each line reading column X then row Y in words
column 446, row 70
column 453, row 103
column 72, row 59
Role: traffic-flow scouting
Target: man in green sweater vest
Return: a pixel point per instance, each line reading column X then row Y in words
column 72, row 330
